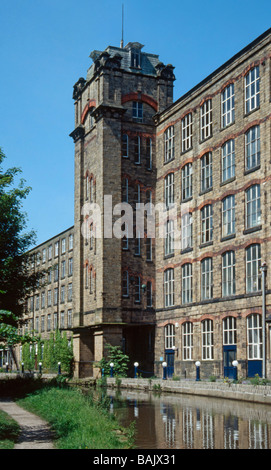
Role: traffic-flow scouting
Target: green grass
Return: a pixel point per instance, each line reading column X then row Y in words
column 77, row 422
column 9, row 431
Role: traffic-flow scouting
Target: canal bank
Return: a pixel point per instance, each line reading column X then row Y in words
column 233, row 391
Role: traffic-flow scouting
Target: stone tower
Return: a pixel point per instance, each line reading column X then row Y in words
column 115, row 141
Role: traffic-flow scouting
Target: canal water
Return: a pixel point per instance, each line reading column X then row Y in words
column 170, row 421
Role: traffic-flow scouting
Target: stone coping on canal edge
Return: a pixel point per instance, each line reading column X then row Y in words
column 233, row 391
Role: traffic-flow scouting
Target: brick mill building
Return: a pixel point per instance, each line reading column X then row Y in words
column 206, row 158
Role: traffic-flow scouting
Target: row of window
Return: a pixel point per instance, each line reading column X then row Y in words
column 252, row 155
column 228, row 220
column 53, row 321
column 138, row 148
column 131, row 285
column 252, row 102
column 47, row 253
column 38, row 301
column 229, row 337
column 253, row 277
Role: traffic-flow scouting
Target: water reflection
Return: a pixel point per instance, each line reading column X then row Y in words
column 187, row 422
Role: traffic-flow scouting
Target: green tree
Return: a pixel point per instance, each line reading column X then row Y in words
column 119, row 359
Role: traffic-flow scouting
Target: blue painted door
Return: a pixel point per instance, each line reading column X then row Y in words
column 229, row 355
column 170, row 362
column 254, row 367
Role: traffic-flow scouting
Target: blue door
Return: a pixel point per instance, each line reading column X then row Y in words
column 229, row 355
column 254, row 367
column 170, row 362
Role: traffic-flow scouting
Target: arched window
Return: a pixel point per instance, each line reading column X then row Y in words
column 207, row 339
column 169, row 287
column 252, row 89
column 206, row 171
column 228, row 273
column 169, row 336
column 253, row 265
column 254, row 337
column 187, row 341
column 207, row 279
column 253, row 206
column 187, row 283
column 169, row 144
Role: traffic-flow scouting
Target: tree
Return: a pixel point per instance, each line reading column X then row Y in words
column 119, row 359
column 16, row 279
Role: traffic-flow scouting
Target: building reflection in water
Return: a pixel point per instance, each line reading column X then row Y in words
column 184, row 422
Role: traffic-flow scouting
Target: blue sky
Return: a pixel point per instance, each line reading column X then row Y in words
column 44, row 49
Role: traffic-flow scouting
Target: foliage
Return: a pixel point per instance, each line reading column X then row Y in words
column 77, row 420
column 119, row 359
column 55, row 349
column 9, row 431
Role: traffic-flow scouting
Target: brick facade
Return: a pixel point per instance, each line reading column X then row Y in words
column 132, row 142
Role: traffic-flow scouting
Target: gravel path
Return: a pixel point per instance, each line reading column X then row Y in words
column 35, row 433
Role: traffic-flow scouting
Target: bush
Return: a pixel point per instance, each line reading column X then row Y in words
column 119, row 359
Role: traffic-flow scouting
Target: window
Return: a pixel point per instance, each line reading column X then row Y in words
column 70, row 266
column 254, row 337
column 228, row 216
column 69, row 318
column 71, row 241
column 253, row 265
column 169, row 189
column 227, row 106
column 169, row 237
column 37, row 302
column 49, row 322
column 62, row 319
column 187, row 132
column 62, row 294
column 49, row 298
column 169, row 336
column 125, row 284
column 137, row 243
column 187, row 336
column 207, row 339
column 187, row 283
column 37, row 324
column 206, row 172
column 252, row 89
column 43, row 300
column 187, row 231
column 125, row 146
column 253, row 206
column 138, row 111
column 63, row 245
column 55, row 321
column 55, row 295
column 63, row 269
column 252, row 150
column 228, row 273
column 137, row 149
column 169, row 144
column 228, row 160
column 38, row 258
column 169, row 287
column 137, row 289
column 229, row 331
column 149, row 154
column 135, row 58
column 149, row 294
column 44, row 255
column 50, row 252
column 125, row 190
column 69, row 292
column 56, row 273
column 207, row 279
column 187, row 181
column 42, row 324
column 56, row 248
column 149, row 249
column 207, row 223
column 91, row 190
column 206, row 119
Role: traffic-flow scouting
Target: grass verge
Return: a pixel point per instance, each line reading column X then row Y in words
column 9, row 431
column 76, row 420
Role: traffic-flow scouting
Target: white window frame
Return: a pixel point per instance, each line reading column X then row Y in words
column 169, row 144
column 138, row 111
column 137, row 150
column 206, row 179
column 228, row 274
column 253, row 265
column 169, row 237
column 207, row 279
column 206, row 119
column 187, row 132
column 187, row 340
column 207, row 340
column 207, row 223
column 254, row 337
column 252, row 89
column 228, row 160
column 169, row 189
column 229, row 331
column 253, row 206
column 252, row 148
column 187, row 283
column 187, row 188
column 228, row 216
column 187, row 230
column 169, row 287
column 169, row 334
column 227, row 106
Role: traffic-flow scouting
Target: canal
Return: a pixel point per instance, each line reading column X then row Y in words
column 171, row 421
